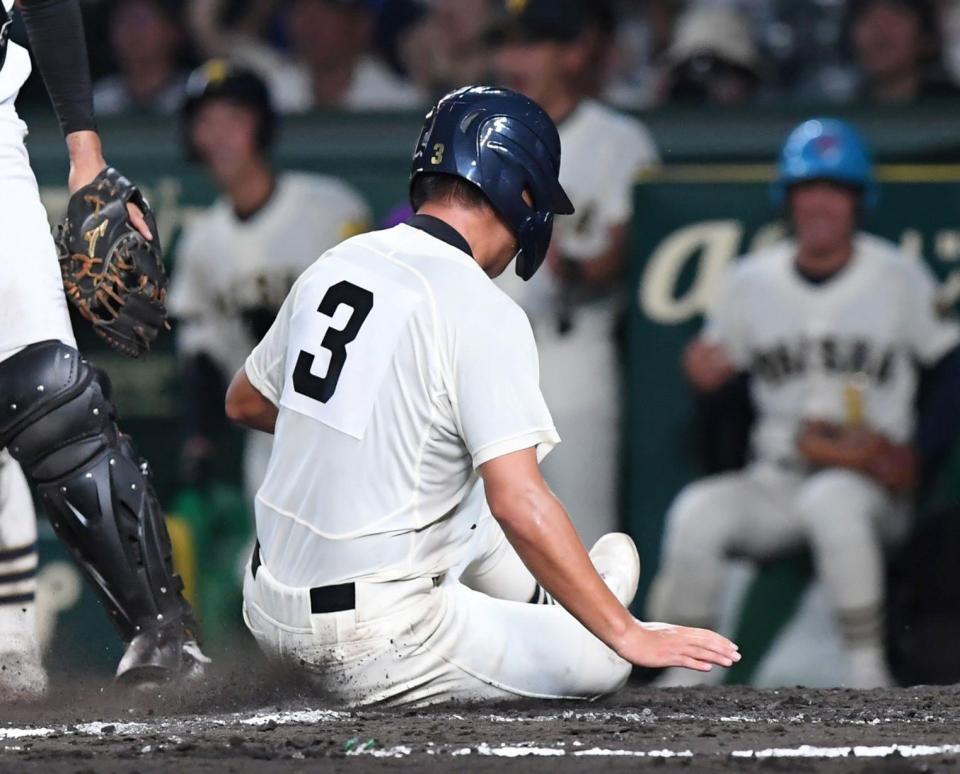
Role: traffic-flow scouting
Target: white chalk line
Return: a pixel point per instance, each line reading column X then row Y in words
column 803, row 751
column 318, row 716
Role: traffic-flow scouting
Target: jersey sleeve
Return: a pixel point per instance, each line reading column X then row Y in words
column 725, row 324
column 496, row 389
column 356, row 215
column 264, row 366
column 931, row 334
column 637, row 153
column 346, row 213
column 189, row 295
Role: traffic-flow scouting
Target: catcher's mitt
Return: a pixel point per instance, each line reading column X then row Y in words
column 112, row 274
column 826, row 444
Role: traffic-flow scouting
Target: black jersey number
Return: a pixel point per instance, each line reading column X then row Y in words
column 321, row 388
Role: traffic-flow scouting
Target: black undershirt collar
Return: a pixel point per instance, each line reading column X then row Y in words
column 438, row 229
column 246, row 217
column 819, row 279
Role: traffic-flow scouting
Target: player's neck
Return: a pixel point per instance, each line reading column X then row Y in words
column 901, row 87
column 249, row 192
column 561, row 105
column 823, row 263
column 480, row 227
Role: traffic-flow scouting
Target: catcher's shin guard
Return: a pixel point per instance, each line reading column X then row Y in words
column 57, row 420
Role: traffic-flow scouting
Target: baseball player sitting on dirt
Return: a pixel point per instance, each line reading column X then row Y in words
column 238, row 259
column 831, row 327
column 403, row 503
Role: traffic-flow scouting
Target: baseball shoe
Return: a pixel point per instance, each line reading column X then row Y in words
column 616, row 558
column 22, row 676
column 159, row 656
column 868, row 668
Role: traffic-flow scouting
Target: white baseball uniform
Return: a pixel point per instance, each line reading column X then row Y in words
column 33, row 309
column 399, row 368
column 604, row 152
column 812, row 351
column 227, row 267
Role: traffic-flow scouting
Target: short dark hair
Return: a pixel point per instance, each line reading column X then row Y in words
column 441, row 187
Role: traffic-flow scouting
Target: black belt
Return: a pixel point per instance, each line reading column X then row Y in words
column 323, row 599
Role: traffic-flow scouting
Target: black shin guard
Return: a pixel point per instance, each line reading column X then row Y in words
column 57, row 420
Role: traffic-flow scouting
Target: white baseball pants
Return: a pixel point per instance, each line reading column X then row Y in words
column 423, row 641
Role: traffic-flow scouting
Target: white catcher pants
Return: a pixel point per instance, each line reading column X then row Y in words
column 423, row 641
column 844, row 517
column 33, row 306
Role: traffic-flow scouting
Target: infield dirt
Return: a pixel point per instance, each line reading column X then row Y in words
column 263, row 722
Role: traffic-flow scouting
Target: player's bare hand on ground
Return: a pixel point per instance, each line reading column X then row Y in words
column 659, row 645
column 707, row 365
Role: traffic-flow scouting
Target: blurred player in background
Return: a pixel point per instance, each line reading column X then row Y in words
column 402, row 388
column 547, row 49
column 56, row 416
column 237, row 261
column 830, row 325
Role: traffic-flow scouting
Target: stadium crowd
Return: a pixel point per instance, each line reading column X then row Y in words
column 396, row 54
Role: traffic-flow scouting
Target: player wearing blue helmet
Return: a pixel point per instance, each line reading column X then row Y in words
column 403, row 503
column 829, row 328
column 826, row 149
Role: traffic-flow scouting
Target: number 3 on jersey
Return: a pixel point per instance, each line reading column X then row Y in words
column 340, row 343
column 360, row 301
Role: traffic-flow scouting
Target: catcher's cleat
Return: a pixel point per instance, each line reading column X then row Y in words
column 160, row 656
column 22, row 676
column 616, row 558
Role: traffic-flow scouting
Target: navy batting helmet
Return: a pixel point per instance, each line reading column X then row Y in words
column 220, row 79
column 504, row 144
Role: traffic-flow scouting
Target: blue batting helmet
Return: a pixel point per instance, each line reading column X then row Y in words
column 826, row 149
column 505, row 144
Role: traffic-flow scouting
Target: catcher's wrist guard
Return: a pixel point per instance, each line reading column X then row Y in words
column 111, row 273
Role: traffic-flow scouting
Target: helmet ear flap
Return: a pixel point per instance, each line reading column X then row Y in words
column 534, row 239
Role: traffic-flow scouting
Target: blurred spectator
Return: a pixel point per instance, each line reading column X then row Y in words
column 951, row 37
column 713, row 58
column 331, row 63
column 643, row 33
column 445, row 49
column 827, row 332
column 237, row 262
column 897, row 48
column 546, row 49
column 146, row 39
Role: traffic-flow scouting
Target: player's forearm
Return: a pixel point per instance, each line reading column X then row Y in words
column 86, row 158
column 55, row 29
column 246, row 406
column 538, row 527
column 609, row 267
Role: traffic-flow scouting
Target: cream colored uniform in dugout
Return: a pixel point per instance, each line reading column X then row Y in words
column 604, row 152
column 399, row 368
column 812, row 352
column 227, row 266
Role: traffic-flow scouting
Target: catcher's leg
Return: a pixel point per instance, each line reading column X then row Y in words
column 57, row 420
column 23, row 675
